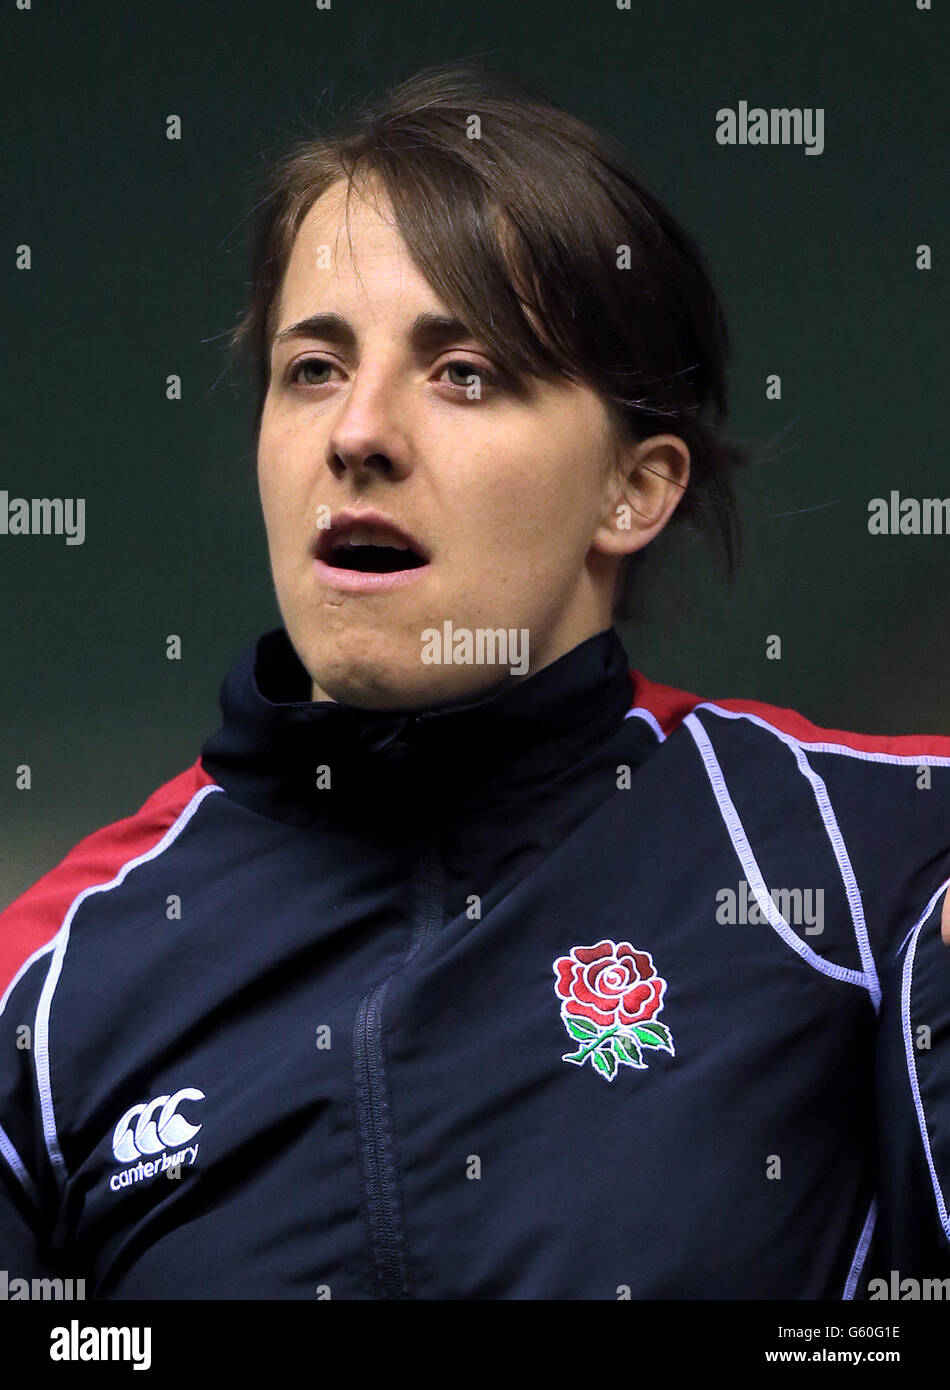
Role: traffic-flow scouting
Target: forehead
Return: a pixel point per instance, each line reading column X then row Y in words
column 352, row 255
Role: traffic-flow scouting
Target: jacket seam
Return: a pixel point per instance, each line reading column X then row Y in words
column 839, row 849
column 746, row 857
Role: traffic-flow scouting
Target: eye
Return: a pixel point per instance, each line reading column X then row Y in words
column 317, row 365
column 466, row 370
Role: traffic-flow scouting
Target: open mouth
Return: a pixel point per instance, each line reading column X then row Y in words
column 369, row 543
column 373, row 559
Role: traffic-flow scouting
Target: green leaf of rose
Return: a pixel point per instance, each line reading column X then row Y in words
column 605, row 1061
column 654, row 1035
column 630, row 1049
column 580, row 1028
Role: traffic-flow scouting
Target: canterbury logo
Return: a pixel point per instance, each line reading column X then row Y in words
column 149, row 1135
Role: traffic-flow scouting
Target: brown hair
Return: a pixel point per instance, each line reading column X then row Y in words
column 538, row 236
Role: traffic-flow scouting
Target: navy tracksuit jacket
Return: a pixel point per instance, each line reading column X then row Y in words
column 581, row 990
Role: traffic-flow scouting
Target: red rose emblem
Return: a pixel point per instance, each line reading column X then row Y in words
column 609, row 984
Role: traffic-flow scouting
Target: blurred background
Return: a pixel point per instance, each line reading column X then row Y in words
column 140, row 250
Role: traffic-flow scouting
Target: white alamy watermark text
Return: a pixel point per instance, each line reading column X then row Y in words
column 481, row 646
column 43, row 516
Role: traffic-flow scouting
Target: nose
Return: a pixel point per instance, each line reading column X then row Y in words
column 368, row 434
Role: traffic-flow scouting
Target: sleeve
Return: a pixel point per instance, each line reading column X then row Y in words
column 884, row 801
column 891, row 814
column 30, row 930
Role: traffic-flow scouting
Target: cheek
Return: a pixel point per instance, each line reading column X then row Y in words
column 266, row 454
column 538, row 511
column 279, row 481
column 270, row 495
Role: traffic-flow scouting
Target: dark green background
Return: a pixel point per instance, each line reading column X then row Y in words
column 139, row 269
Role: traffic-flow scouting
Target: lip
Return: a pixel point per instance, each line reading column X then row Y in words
column 359, row 581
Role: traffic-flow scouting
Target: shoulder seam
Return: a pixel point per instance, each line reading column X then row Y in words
column 867, row 755
column 665, row 707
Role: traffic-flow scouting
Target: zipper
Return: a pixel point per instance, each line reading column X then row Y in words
column 380, row 1173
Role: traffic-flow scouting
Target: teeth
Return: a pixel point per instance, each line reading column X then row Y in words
column 368, row 535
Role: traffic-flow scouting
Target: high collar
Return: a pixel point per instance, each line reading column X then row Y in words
column 274, row 739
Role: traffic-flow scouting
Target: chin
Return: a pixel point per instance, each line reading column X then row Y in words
column 391, row 689
column 389, row 683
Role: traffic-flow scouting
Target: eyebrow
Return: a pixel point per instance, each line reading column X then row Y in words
column 426, row 331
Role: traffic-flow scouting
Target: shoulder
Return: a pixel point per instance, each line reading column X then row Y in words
column 97, row 862
column 666, row 708
column 881, row 801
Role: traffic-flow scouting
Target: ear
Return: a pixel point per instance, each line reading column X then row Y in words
column 644, row 486
column 945, row 919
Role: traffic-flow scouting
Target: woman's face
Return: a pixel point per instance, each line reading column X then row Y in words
column 507, row 494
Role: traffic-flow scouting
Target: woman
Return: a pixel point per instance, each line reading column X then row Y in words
column 465, row 962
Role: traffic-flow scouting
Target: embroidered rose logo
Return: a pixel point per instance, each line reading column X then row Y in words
column 611, row 994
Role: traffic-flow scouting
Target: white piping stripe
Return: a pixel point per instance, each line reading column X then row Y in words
column 41, row 1030
column 904, row 760
column 857, row 1264
column 909, row 1054
column 19, row 1169
column 836, row 839
column 650, row 719
column 751, row 869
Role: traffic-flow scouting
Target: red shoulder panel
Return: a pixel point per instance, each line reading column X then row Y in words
column 37, row 915
column 670, row 706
